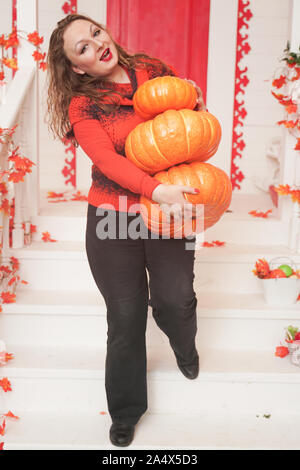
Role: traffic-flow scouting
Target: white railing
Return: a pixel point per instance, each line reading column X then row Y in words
column 20, row 106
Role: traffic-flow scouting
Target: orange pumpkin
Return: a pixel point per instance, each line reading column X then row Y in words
column 214, row 197
column 173, row 137
column 159, row 94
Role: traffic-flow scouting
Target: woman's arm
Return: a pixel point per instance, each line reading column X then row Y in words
column 96, row 143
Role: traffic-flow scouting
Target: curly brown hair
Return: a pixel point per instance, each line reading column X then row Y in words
column 64, row 83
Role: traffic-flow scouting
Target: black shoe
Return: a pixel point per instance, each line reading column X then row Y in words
column 121, row 434
column 191, row 372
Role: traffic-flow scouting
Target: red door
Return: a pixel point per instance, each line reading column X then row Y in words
column 176, row 31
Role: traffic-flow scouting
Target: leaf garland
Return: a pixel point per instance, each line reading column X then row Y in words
column 12, row 40
column 288, row 78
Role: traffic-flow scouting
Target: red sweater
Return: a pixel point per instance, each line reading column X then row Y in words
column 102, row 136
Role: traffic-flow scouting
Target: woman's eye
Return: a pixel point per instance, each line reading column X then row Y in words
column 96, row 33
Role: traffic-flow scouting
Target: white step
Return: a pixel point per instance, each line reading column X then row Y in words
column 78, row 319
column 66, row 221
column 60, row 380
column 64, row 266
column 206, row 430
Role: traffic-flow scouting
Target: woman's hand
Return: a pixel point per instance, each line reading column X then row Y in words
column 200, row 103
column 172, row 200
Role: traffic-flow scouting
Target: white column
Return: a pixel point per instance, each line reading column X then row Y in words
column 290, row 171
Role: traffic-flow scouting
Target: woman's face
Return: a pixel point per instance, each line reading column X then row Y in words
column 90, row 50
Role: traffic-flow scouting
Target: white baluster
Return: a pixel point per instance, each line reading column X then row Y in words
column 2, row 93
column 291, row 168
column 18, row 231
column 5, row 217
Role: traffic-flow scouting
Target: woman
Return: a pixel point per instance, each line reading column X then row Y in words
column 91, row 83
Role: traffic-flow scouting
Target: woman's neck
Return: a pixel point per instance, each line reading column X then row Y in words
column 120, row 75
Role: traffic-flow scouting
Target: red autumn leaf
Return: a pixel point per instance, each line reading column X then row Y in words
column 5, row 269
column 289, row 124
column 11, row 130
column 38, row 56
column 290, row 109
column 5, row 206
column 298, row 298
column 3, row 188
column 207, row 244
column 17, row 177
column 297, row 146
column 43, row 65
column 282, row 99
column 9, row 357
column 279, row 82
column 2, row 428
column 52, row 194
column 103, row 413
column 218, row 243
column 297, row 76
column 10, row 63
column 2, row 40
column 15, row 263
column 11, row 415
column 24, row 282
column 21, row 163
column 79, row 197
column 1, row 445
column 281, row 351
column 12, row 40
column 278, row 96
column 60, row 200
column 32, row 228
column 2, row 76
column 262, row 268
column 255, row 213
column 5, row 384
column 46, row 237
column 8, row 298
column 283, row 190
column 34, row 38
column 12, row 280
column 295, row 195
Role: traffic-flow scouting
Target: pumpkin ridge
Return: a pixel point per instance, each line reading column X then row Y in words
column 155, row 143
column 186, row 134
column 149, row 164
column 132, row 155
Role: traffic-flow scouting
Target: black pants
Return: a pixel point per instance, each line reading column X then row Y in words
column 119, row 267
